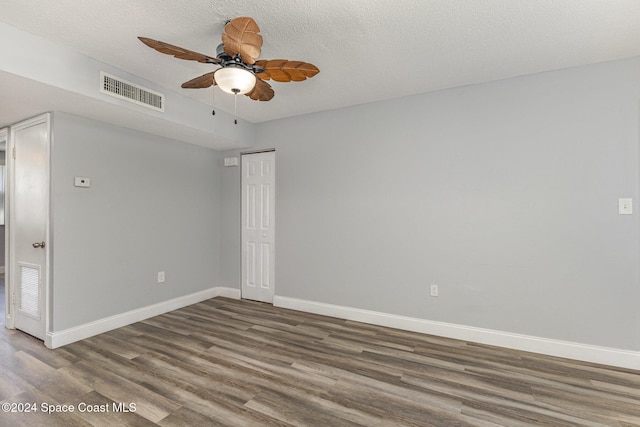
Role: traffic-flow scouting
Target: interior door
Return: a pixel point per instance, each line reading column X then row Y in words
column 258, row 226
column 29, row 212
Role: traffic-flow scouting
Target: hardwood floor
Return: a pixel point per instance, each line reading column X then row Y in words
column 241, row 363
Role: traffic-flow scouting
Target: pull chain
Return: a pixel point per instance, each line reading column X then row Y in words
column 235, row 105
column 235, row 109
column 213, row 100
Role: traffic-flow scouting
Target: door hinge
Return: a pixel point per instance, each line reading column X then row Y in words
column 13, row 152
column 13, row 298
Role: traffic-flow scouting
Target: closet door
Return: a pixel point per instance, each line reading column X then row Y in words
column 258, row 226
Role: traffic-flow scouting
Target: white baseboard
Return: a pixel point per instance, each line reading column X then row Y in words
column 571, row 350
column 77, row 333
column 232, row 293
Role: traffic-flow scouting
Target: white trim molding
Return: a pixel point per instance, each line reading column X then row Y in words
column 550, row 347
column 80, row 332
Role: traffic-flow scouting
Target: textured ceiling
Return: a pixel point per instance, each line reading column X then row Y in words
column 366, row 50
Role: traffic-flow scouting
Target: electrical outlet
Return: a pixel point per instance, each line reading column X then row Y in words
column 434, row 290
column 160, row 276
column 625, row 206
column 82, row 181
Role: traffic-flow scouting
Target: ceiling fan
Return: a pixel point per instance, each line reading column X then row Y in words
column 240, row 72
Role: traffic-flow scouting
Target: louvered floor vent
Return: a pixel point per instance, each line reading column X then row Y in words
column 119, row 88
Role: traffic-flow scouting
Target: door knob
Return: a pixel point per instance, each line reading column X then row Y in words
column 38, row 245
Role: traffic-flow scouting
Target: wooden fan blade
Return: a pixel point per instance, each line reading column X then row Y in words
column 201, row 82
column 178, row 51
column 241, row 37
column 262, row 91
column 282, row 70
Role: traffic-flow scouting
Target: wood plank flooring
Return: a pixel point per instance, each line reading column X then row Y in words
column 225, row 362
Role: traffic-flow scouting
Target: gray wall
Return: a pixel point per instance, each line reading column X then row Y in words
column 153, row 206
column 230, row 255
column 504, row 194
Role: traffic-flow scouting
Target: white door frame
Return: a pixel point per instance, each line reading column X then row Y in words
column 10, row 274
column 257, row 283
column 4, row 139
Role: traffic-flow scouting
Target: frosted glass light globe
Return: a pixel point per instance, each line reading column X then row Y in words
column 235, row 80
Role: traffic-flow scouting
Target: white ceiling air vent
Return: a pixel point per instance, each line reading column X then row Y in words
column 119, row 88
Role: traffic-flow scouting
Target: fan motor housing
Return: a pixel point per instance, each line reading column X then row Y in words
column 235, row 61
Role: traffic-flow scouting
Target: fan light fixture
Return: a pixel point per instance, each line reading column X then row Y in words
column 234, row 80
column 240, row 72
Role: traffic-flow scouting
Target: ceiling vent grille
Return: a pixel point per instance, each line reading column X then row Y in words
column 119, row 88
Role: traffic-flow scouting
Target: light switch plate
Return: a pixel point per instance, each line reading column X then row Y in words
column 434, row 290
column 625, row 206
column 82, row 181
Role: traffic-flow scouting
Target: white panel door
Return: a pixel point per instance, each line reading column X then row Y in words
column 258, row 226
column 29, row 245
